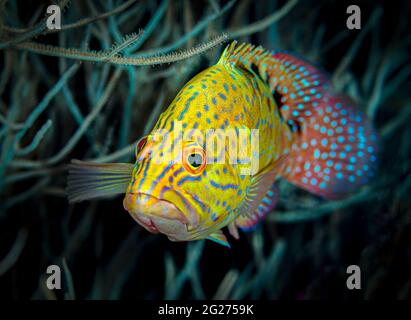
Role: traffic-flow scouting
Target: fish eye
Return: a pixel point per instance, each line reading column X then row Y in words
column 195, row 160
column 141, row 143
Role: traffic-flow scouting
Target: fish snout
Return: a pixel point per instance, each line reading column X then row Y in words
column 156, row 215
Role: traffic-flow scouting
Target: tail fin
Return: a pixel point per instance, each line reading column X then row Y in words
column 335, row 152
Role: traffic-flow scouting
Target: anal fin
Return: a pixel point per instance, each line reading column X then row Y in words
column 220, row 238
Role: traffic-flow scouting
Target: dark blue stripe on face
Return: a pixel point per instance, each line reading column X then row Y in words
column 203, row 207
column 161, row 176
column 144, row 175
column 183, row 199
column 177, row 172
column 165, row 121
column 139, row 166
column 163, row 191
column 223, row 186
column 188, row 178
column 174, row 143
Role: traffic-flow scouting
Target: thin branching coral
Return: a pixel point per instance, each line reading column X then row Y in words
column 112, row 55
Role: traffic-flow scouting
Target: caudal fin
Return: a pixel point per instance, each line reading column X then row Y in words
column 335, row 151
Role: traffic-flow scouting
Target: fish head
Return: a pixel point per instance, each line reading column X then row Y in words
column 186, row 183
column 180, row 195
column 150, row 198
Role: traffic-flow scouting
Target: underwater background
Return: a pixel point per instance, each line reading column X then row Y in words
column 55, row 106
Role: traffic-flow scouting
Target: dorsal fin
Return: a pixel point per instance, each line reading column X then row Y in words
column 244, row 55
column 299, row 84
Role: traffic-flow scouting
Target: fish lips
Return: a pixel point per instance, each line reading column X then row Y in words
column 158, row 215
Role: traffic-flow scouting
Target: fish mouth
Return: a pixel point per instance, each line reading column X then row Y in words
column 147, row 223
column 159, row 215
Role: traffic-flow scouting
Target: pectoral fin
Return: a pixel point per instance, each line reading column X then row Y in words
column 89, row 180
column 232, row 228
column 248, row 223
column 220, row 238
column 260, row 184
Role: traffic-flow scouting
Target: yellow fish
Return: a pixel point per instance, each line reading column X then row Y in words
column 214, row 155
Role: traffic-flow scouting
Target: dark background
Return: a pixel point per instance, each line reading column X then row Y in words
column 107, row 255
